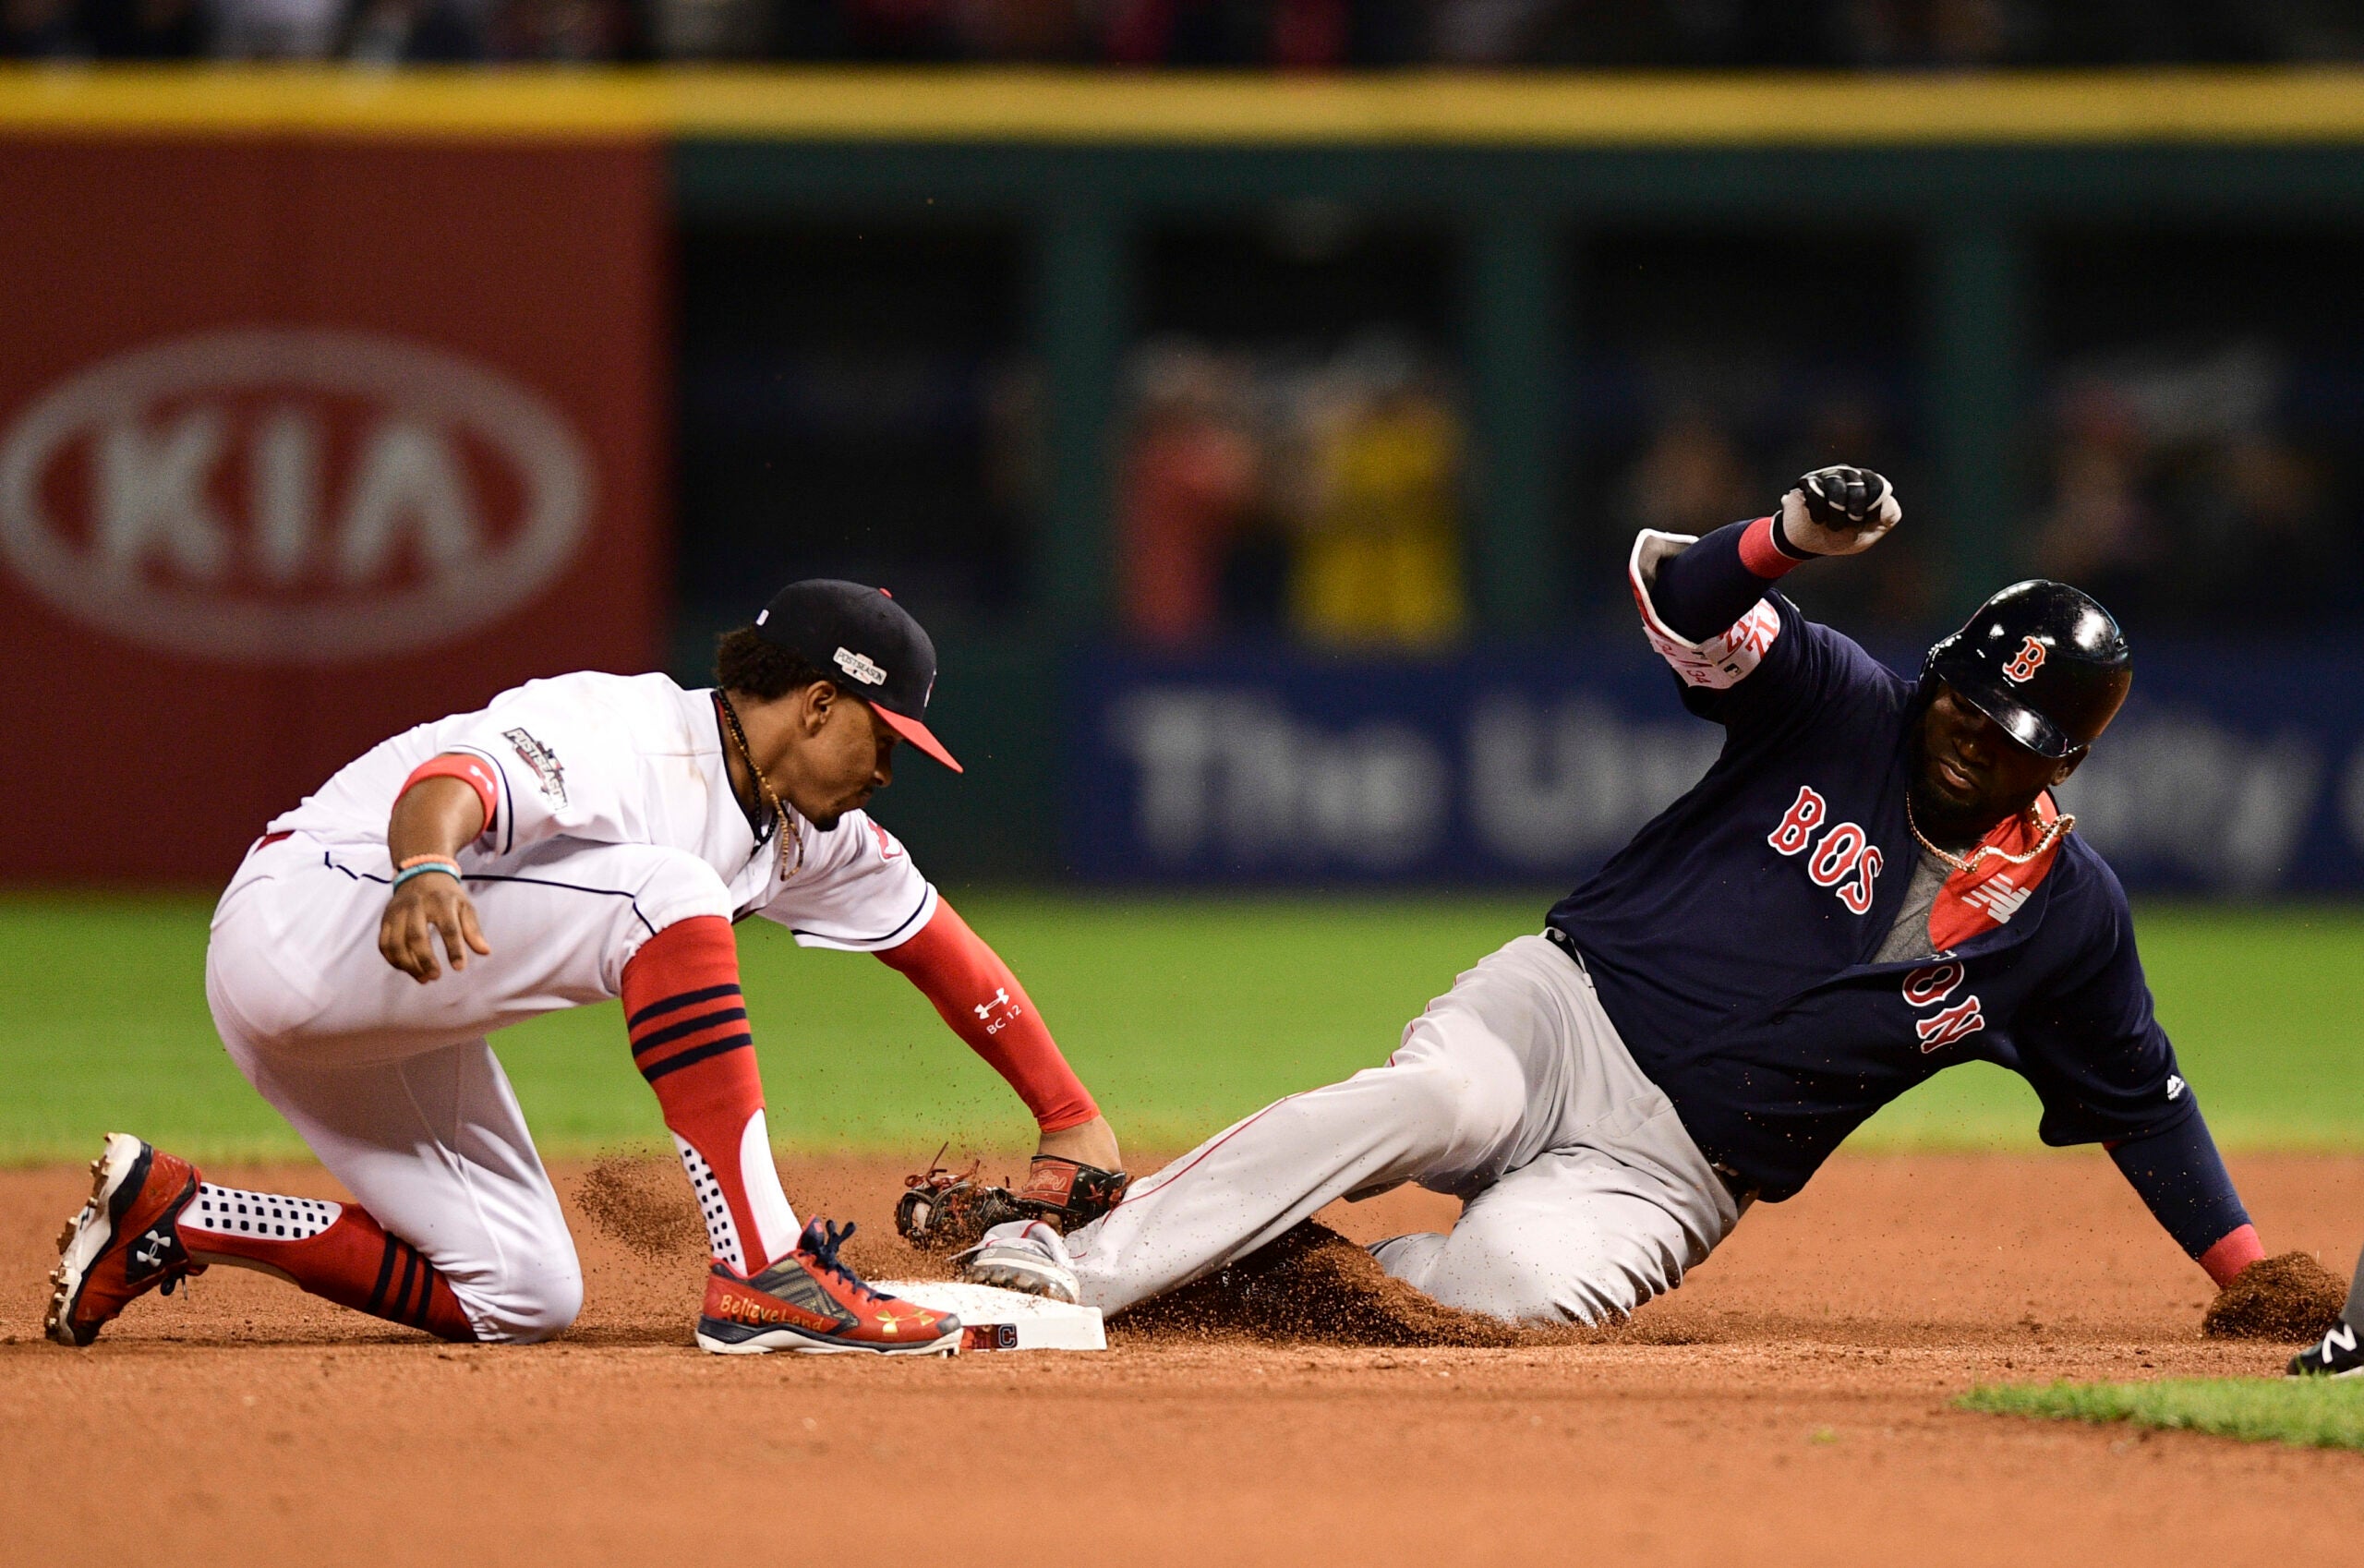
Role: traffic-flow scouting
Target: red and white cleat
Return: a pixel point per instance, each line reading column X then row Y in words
column 809, row 1301
column 124, row 1243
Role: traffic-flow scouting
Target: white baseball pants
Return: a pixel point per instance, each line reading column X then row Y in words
column 1583, row 1196
column 392, row 1084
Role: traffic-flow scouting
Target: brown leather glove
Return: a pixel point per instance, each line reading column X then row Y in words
column 945, row 1211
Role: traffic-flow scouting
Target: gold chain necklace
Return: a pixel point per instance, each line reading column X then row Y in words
column 2052, row 830
column 784, row 825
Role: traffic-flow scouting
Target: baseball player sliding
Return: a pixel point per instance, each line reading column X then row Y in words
column 1872, row 884
column 584, row 838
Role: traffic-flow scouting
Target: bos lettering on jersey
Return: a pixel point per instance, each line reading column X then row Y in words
column 1929, row 986
column 1843, row 858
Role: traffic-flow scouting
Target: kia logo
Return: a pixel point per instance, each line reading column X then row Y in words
column 286, row 495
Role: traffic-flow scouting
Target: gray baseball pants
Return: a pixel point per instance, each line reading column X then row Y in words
column 1583, row 1196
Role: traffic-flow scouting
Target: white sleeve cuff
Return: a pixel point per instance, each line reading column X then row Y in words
column 1720, row 661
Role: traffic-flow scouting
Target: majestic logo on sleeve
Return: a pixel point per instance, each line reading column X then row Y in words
column 861, row 667
column 1844, row 859
column 2025, row 663
column 543, row 760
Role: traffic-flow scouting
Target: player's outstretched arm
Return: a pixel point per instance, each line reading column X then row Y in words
column 2182, row 1180
column 433, row 819
column 984, row 1004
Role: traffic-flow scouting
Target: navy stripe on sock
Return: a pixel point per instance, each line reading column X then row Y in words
column 426, row 1290
column 400, row 1312
column 385, row 1278
column 687, row 1027
column 697, row 1054
column 685, row 999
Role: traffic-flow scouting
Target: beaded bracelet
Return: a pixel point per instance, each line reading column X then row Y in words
column 419, row 866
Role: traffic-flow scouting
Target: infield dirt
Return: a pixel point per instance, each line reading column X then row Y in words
column 1790, row 1404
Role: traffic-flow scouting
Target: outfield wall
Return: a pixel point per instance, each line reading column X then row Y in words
column 2229, row 772
column 331, row 402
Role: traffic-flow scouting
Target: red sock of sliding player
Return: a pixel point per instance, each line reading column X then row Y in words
column 334, row 1250
column 689, row 1033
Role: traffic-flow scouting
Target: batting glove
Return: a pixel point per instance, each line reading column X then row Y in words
column 1840, row 511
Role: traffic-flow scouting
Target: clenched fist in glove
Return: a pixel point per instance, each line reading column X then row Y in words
column 1838, row 510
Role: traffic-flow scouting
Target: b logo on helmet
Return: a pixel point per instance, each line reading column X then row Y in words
column 2025, row 663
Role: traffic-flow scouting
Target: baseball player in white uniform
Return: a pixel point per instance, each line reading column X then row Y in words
column 580, row 838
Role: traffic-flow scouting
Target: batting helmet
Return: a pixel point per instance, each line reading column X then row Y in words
column 2042, row 660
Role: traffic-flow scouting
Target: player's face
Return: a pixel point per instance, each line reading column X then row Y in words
column 1971, row 774
column 846, row 756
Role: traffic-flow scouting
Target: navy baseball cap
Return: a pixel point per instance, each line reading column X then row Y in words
column 861, row 639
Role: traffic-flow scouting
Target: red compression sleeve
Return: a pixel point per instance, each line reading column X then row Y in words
column 2234, row 1251
column 474, row 772
column 986, row 1006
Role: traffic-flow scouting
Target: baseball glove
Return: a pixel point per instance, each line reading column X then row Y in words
column 944, row 1211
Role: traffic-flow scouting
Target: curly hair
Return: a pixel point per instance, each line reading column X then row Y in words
column 744, row 662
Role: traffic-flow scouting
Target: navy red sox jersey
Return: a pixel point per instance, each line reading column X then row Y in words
column 1734, row 940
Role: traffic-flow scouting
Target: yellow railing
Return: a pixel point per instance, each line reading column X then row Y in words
column 1080, row 107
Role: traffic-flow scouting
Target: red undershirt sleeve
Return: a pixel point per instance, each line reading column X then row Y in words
column 983, row 1004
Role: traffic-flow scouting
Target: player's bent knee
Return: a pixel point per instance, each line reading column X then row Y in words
column 526, row 1306
column 1515, row 1284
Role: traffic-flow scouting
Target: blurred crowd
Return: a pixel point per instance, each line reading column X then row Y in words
column 1281, row 34
column 1318, row 493
column 1324, row 496
column 2179, row 494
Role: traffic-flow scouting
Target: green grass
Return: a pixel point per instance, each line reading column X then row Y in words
column 1183, row 1013
column 2304, row 1413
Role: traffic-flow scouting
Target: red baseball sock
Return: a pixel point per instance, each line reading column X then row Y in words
column 334, row 1250
column 689, row 1033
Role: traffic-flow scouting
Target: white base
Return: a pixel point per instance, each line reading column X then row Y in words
column 993, row 1318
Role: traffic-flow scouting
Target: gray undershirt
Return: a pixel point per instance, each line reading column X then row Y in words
column 1909, row 937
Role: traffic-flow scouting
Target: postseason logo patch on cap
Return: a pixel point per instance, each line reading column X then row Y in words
column 861, row 667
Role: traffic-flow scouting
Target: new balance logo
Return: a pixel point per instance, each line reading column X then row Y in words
column 2000, row 899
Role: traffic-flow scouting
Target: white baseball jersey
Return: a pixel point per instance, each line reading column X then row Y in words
column 631, row 759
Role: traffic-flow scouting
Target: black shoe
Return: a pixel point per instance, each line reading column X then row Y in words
column 2337, row 1356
